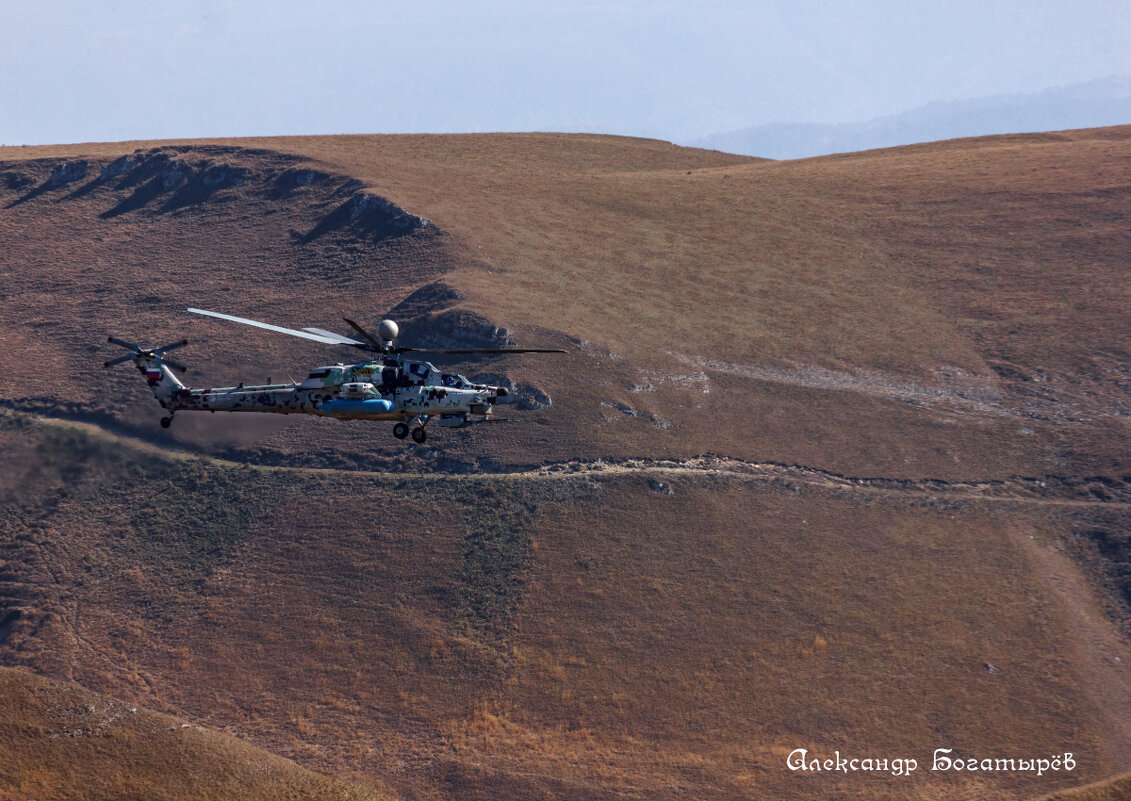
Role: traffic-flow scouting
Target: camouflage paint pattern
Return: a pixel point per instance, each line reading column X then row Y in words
column 413, row 390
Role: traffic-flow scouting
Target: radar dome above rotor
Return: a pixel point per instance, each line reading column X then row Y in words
column 387, row 330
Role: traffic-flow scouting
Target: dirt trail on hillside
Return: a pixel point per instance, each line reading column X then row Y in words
column 925, row 526
column 1039, row 397
column 1092, row 491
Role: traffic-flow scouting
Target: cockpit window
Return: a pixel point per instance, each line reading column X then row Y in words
column 455, row 381
column 320, row 373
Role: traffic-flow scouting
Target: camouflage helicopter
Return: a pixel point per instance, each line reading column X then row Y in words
column 387, row 387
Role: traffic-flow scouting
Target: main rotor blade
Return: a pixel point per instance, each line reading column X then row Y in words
column 456, row 351
column 123, row 343
column 119, row 360
column 269, row 327
column 168, row 348
column 330, row 334
column 381, row 348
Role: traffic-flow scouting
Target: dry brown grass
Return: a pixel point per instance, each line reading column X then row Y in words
column 954, row 311
column 60, row 741
column 1113, row 790
column 346, row 641
column 990, row 269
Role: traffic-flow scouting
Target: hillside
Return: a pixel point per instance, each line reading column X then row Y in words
column 1112, row 790
column 950, row 311
column 61, row 741
column 837, row 459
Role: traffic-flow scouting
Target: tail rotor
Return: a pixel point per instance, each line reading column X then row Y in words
column 149, row 355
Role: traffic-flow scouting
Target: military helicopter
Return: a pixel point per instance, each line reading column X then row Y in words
column 388, row 387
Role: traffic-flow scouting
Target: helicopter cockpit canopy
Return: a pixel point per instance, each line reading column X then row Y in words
column 455, row 381
column 324, row 377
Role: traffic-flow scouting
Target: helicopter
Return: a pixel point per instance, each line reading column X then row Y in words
column 386, row 387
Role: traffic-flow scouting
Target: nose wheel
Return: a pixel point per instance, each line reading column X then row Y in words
column 419, row 435
column 400, row 430
column 167, row 421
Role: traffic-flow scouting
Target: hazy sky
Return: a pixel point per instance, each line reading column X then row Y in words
column 147, row 69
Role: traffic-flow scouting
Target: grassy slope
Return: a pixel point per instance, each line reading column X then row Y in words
column 969, row 258
column 951, row 310
column 60, row 741
column 1113, row 790
column 573, row 636
column 967, row 297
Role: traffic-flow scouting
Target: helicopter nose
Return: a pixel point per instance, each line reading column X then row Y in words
column 502, row 392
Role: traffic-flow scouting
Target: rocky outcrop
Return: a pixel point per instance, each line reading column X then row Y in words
column 369, row 216
column 430, row 298
column 350, row 186
column 168, row 179
column 529, row 397
column 377, row 209
column 67, row 172
column 10, row 179
column 118, row 166
column 456, row 328
column 526, row 397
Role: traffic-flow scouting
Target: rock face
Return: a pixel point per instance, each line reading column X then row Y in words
column 168, row 179
column 171, row 176
column 10, row 179
column 368, row 216
column 352, row 185
column 118, row 166
column 525, row 396
column 530, row 397
column 305, row 177
column 456, row 328
column 365, row 205
column 430, row 298
column 222, row 175
column 67, row 172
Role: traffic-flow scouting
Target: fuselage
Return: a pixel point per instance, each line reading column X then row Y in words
column 372, row 390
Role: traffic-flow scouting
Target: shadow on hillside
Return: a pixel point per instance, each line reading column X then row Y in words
column 142, row 196
column 294, row 179
column 189, row 187
column 372, row 216
column 86, row 189
column 15, row 181
column 434, row 297
column 63, row 174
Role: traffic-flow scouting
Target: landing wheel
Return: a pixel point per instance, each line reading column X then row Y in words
column 400, row 431
column 166, row 422
column 419, row 435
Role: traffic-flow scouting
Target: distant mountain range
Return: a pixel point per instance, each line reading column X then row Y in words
column 1102, row 102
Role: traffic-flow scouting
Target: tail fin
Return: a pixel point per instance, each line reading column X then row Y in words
column 158, row 370
column 159, row 377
